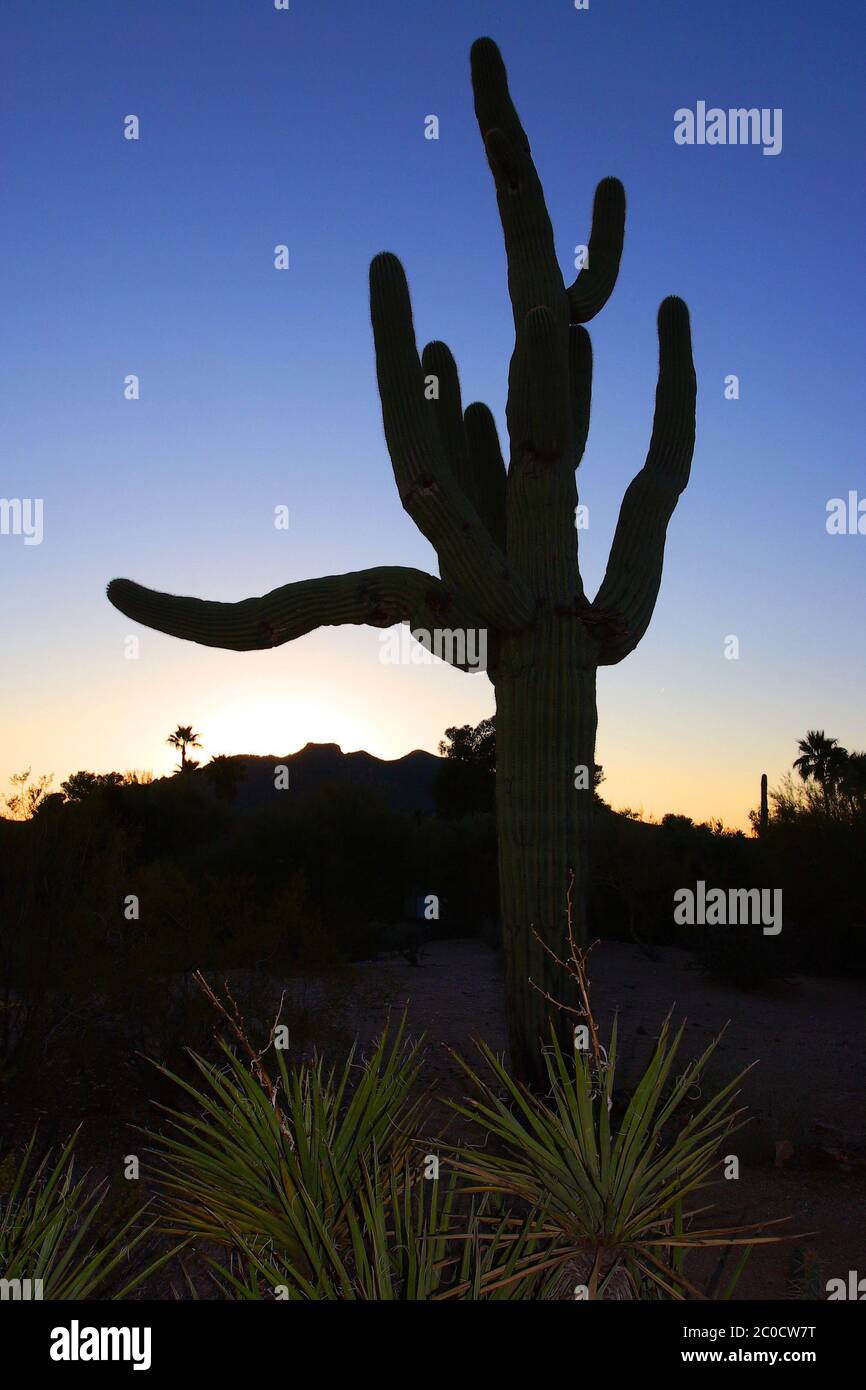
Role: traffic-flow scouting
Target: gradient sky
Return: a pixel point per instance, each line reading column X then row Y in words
column 258, row 388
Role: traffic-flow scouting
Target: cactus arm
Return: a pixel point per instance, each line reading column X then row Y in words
column 447, row 409
column 428, row 488
column 631, row 582
column 376, row 597
column 470, row 441
column 534, row 276
column 594, row 284
column 541, row 495
column 487, row 469
column 538, row 411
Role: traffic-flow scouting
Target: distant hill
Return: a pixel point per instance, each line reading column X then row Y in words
column 406, row 783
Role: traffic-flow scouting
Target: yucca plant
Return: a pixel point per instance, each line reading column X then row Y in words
column 49, row 1233
column 409, row 1240
column 315, row 1184
column 611, row 1195
column 273, row 1166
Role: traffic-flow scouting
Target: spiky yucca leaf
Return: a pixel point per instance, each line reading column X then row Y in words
column 317, row 1189
column 279, row 1172
column 47, row 1232
column 612, row 1202
column 408, row 1241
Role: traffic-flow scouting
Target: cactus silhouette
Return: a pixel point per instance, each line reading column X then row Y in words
column 506, row 541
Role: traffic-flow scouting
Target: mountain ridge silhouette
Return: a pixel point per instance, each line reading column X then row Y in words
column 405, row 783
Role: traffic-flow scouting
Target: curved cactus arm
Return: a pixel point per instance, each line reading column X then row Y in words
column 376, row 597
column 631, row 583
column 428, row 487
column 594, row 284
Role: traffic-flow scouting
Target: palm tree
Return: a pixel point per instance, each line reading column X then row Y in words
column 821, row 758
column 184, row 737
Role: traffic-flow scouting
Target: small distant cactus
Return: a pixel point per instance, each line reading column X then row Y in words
column 764, row 818
column 506, row 541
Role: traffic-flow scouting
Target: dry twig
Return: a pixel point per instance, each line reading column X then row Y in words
column 575, row 967
column 235, row 1021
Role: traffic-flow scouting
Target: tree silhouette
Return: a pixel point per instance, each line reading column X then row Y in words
column 81, row 786
column 184, row 737
column 225, row 776
column 468, row 744
column 29, row 796
column 822, row 759
column 852, row 783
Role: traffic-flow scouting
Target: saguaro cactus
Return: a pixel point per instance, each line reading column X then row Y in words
column 506, row 541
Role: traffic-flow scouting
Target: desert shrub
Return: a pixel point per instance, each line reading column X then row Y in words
column 61, row 904
column 351, row 849
column 814, row 848
column 85, row 968
column 465, row 781
column 463, row 788
column 740, row 954
column 639, row 865
column 457, row 859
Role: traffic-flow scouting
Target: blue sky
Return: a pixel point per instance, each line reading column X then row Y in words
column 306, row 127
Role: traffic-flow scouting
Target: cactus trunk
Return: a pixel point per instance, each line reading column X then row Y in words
column 545, row 731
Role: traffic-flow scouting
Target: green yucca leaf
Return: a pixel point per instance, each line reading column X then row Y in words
column 47, row 1232
column 611, row 1200
column 317, row 1191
